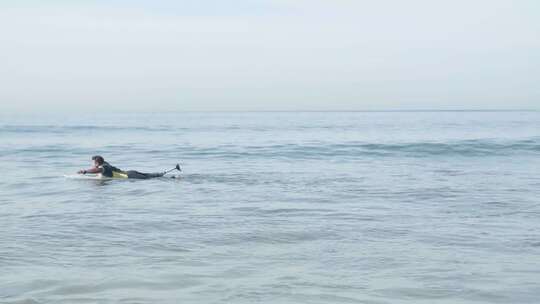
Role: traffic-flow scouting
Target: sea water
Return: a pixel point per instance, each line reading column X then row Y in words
column 276, row 207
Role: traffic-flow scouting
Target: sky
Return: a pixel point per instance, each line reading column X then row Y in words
column 268, row 55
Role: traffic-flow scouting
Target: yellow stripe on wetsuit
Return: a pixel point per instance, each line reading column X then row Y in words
column 117, row 174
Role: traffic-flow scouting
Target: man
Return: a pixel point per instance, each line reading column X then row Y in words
column 105, row 169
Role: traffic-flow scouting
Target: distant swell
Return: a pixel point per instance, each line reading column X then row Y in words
column 355, row 150
column 306, row 150
column 54, row 129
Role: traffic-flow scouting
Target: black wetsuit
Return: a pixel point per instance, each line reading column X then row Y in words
column 107, row 170
column 140, row 175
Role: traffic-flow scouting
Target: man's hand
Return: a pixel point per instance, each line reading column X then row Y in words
column 91, row 170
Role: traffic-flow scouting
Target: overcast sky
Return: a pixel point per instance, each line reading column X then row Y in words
column 213, row 55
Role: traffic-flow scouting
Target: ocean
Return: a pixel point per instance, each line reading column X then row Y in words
column 272, row 207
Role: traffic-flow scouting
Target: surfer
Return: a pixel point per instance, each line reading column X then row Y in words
column 106, row 170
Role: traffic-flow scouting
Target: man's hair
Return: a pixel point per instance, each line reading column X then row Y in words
column 98, row 159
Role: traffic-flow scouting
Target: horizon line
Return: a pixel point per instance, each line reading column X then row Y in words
column 283, row 111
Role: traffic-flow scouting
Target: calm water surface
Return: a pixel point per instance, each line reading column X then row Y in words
column 426, row 207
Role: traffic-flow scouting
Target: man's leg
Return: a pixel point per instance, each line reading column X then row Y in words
column 140, row 175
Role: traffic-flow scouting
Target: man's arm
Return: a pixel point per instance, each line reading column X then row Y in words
column 92, row 170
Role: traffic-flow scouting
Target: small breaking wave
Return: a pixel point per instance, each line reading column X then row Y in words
column 467, row 148
column 59, row 129
column 351, row 150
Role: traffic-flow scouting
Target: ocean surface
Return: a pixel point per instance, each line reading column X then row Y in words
column 276, row 207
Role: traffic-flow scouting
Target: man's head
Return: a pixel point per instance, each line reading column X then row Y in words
column 98, row 160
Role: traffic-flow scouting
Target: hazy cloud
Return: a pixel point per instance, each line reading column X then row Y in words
column 269, row 55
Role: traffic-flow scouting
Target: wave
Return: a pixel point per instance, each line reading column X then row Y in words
column 323, row 150
column 55, row 129
column 467, row 148
column 64, row 129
